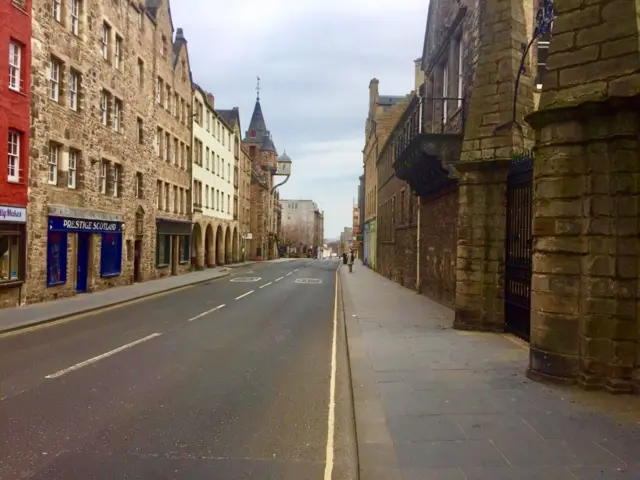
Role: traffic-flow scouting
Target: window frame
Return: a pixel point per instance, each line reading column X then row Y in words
column 13, row 154
column 15, row 66
column 56, row 10
column 102, row 177
column 52, row 166
column 116, row 178
column 54, row 83
column 15, row 231
column 117, row 52
column 184, row 249
column 111, row 266
column 62, row 260
column 104, row 107
column 72, row 180
column 104, row 40
column 75, row 17
column 72, row 91
column 166, row 244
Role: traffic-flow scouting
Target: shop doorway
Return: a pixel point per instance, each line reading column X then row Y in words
column 82, row 272
column 137, row 259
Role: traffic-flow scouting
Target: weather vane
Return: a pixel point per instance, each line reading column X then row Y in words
column 258, row 88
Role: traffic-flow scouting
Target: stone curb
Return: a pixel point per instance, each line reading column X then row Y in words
column 377, row 458
column 107, row 305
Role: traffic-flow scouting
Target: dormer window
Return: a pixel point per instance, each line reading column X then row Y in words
column 252, row 133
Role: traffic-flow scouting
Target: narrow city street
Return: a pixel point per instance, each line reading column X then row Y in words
column 229, row 379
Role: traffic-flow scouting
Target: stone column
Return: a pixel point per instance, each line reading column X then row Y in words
column 200, row 257
column 586, row 222
column 490, row 139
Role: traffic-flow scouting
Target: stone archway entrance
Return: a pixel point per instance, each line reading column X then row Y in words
column 235, row 246
column 197, row 260
column 219, row 246
column 227, row 246
column 210, row 254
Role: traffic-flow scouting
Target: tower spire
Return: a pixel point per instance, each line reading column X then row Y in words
column 258, row 89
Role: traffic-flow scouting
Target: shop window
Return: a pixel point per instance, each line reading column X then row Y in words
column 111, row 254
column 56, row 258
column 163, row 248
column 184, row 249
column 10, row 253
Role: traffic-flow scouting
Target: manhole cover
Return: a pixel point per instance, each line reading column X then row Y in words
column 314, row 281
column 245, row 279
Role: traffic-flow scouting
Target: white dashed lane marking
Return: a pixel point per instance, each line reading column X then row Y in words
column 206, row 313
column 266, row 285
column 244, row 294
column 279, row 278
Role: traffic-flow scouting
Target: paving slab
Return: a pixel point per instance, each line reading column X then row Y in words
column 432, row 402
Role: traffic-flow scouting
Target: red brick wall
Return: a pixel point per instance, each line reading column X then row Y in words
column 15, row 24
column 438, row 246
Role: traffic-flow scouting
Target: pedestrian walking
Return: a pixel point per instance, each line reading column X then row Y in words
column 350, row 261
column 344, row 257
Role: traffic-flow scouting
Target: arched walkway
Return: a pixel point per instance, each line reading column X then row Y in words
column 210, row 257
column 235, row 246
column 197, row 254
column 219, row 246
column 227, row 246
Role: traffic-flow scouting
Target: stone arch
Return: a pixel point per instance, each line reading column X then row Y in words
column 227, row 246
column 235, row 246
column 219, row 246
column 209, row 245
column 197, row 254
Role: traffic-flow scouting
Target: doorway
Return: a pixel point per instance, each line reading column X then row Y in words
column 137, row 259
column 82, row 272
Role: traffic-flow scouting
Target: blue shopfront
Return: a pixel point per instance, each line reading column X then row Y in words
column 82, row 234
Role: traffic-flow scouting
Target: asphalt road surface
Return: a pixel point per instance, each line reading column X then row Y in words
column 208, row 382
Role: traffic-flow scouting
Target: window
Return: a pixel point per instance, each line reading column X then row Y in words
column 167, row 145
column 222, row 202
column 103, row 177
column 185, row 241
column 223, row 135
column 13, row 161
column 118, row 52
column 75, row 16
column 56, row 258
column 543, row 55
column 460, row 70
column 10, row 253
column 176, row 103
column 138, row 186
column 104, row 41
column 159, row 195
column 15, row 66
column 159, row 84
column 167, row 99
column 140, row 73
column 57, row 10
column 166, row 197
column 163, row 251
column 207, row 159
column 163, row 46
column 73, row 90
column 176, row 152
column 54, row 79
column 159, row 137
column 206, row 196
column 117, row 112
column 229, row 172
column 228, row 203
column 111, row 254
column 73, row 169
column 54, row 156
column 140, row 130
column 104, row 107
column 117, row 177
column 175, row 199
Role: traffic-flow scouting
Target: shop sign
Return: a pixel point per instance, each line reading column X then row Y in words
column 13, row 214
column 61, row 224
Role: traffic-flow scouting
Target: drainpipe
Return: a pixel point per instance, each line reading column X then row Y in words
column 420, row 120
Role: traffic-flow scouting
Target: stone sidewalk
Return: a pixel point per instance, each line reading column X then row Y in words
column 34, row 314
column 433, row 403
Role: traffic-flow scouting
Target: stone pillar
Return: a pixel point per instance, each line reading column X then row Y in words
column 200, row 257
column 586, row 225
column 490, row 139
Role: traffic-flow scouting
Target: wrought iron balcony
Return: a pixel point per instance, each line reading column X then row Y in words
column 427, row 141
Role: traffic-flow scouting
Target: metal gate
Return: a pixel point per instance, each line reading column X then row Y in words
column 518, row 246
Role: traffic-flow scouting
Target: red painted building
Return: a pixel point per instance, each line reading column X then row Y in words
column 15, row 98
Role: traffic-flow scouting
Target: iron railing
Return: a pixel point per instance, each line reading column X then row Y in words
column 444, row 115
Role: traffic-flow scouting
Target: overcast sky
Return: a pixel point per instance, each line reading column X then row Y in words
column 315, row 60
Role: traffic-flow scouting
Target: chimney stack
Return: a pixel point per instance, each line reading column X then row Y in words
column 211, row 99
column 373, row 96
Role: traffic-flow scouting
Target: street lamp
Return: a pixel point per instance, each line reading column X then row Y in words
column 283, row 168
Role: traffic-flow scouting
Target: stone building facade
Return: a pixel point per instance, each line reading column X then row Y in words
column 264, row 200
column 15, row 97
column 94, row 200
column 174, row 123
column 215, row 230
column 244, row 192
